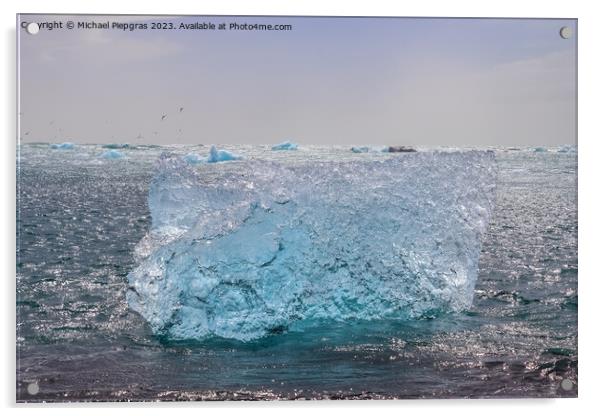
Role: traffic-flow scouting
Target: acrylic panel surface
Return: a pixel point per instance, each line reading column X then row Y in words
column 322, row 208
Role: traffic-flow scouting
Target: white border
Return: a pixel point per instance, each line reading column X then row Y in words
column 590, row 209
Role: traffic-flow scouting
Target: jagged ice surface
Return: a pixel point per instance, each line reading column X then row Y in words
column 245, row 250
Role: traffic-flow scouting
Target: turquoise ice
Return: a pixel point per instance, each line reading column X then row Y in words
column 247, row 250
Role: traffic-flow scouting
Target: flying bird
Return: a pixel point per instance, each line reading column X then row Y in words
column 181, row 109
column 163, row 117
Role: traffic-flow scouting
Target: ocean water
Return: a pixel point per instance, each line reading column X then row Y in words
column 79, row 217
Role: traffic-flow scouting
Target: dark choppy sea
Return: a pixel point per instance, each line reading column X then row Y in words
column 79, row 218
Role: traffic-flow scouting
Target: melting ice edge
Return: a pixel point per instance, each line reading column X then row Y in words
column 250, row 248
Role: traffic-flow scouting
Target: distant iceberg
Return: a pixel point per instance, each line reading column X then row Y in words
column 221, row 156
column 62, row 146
column 112, row 154
column 360, row 149
column 540, row 149
column 193, row 159
column 116, row 146
column 264, row 248
column 286, row 146
column 366, row 149
column 567, row 149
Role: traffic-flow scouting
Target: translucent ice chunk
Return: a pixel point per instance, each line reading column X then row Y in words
column 251, row 249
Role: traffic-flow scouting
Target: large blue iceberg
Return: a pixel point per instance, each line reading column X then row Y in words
column 262, row 248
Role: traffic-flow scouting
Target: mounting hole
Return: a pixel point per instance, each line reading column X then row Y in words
column 566, row 32
column 33, row 388
column 32, row 28
column 566, row 385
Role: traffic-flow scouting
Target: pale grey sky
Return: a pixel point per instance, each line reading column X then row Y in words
column 456, row 82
